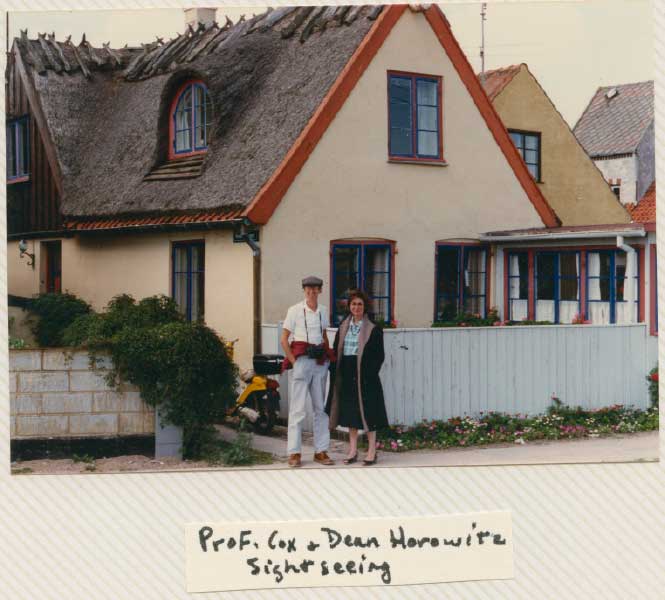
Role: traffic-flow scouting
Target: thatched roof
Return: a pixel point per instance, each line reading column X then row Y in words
column 107, row 109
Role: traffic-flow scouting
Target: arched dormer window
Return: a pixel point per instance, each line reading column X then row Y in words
column 190, row 120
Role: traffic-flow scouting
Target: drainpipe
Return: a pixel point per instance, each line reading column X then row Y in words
column 256, row 254
column 631, row 255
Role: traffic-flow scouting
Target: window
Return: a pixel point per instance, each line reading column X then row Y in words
column 616, row 190
column 528, row 144
column 557, row 286
column 518, row 286
column 461, row 281
column 51, row 267
column 414, row 117
column 191, row 120
column 364, row 265
column 612, row 284
column 18, row 150
column 188, row 278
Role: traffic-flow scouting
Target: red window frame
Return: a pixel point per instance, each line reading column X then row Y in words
column 414, row 158
column 174, row 104
column 363, row 242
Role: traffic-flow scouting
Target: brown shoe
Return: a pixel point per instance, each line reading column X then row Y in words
column 323, row 459
column 294, row 460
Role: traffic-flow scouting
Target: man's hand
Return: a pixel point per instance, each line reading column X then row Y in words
column 286, row 347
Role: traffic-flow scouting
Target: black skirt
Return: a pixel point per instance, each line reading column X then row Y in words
column 349, row 406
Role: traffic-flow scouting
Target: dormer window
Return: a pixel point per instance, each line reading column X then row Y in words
column 190, row 120
column 18, row 150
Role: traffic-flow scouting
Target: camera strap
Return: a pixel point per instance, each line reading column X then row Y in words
column 304, row 314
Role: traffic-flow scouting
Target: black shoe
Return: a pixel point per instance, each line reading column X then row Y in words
column 367, row 463
column 351, row 459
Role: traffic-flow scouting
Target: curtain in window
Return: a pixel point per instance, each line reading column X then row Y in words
column 517, row 299
column 626, row 311
column 183, row 122
column 377, row 280
column 474, row 280
column 180, row 279
column 599, row 305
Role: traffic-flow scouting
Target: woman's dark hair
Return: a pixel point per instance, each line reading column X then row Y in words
column 359, row 294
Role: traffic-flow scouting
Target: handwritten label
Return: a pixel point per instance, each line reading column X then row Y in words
column 354, row 552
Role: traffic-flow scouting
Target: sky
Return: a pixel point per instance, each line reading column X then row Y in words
column 571, row 47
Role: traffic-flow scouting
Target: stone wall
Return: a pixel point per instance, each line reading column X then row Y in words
column 55, row 393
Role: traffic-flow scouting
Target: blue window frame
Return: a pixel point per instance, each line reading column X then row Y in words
column 606, row 288
column 461, row 281
column 528, row 144
column 192, row 119
column 557, row 286
column 414, row 116
column 18, row 149
column 188, row 291
column 364, row 265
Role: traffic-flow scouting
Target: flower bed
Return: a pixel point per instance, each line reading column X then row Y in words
column 560, row 422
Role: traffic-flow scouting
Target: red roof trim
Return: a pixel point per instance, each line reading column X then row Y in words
column 110, row 223
column 269, row 196
column 441, row 28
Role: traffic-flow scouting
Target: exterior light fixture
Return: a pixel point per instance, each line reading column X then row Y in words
column 23, row 249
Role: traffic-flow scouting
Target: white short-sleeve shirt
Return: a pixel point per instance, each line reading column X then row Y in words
column 317, row 321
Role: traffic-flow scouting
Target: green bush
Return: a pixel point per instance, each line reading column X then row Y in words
column 181, row 367
column 53, row 313
column 652, row 378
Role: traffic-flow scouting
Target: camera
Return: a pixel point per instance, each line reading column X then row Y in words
column 316, row 352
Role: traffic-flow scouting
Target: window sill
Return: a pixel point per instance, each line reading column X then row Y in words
column 18, row 180
column 415, row 161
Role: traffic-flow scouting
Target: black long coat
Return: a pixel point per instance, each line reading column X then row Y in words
column 370, row 392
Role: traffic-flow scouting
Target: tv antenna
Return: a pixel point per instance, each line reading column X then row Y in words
column 483, row 18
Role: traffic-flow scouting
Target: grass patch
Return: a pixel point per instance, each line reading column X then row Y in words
column 22, row 471
column 85, row 458
column 560, row 422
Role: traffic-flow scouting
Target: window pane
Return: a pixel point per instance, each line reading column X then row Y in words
column 545, row 272
column 531, row 142
column 380, row 309
column 427, row 118
column 197, row 296
column 183, row 141
column 518, row 273
column 400, row 90
column 400, row 116
column 517, row 139
column 568, row 265
column 533, row 169
column 198, row 255
column 474, row 274
column 180, row 292
column 448, row 272
column 475, row 305
column 24, row 157
column 345, row 266
column 428, row 143
column 11, row 151
column 400, row 141
column 531, row 156
column 427, row 92
column 446, row 309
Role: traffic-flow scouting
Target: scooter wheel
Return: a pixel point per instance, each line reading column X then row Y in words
column 266, row 421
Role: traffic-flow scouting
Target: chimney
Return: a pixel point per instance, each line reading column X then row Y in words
column 194, row 16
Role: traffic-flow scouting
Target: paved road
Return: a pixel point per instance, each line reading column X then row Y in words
column 621, row 448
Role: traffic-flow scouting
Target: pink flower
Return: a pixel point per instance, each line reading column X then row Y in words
column 393, row 444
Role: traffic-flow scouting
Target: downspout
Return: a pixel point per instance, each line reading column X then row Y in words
column 631, row 255
column 256, row 259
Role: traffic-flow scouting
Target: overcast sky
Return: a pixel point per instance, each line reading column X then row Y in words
column 571, row 47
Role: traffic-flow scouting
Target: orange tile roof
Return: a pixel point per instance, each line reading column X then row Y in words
column 645, row 210
column 494, row 81
column 113, row 223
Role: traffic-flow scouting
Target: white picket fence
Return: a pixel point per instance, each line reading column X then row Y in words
column 443, row 373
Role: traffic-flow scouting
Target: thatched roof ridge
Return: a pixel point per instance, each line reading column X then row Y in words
column 107, row 109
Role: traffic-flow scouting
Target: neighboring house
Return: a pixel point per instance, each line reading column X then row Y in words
column 355, row 143
column 617, row 131
column 645, row 212
column 567, row 177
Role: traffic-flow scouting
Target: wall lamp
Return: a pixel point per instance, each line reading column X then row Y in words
column 23, row 249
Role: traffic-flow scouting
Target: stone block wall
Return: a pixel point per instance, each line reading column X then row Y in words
column 55, row 393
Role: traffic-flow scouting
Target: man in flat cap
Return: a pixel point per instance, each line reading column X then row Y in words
column 307, row 351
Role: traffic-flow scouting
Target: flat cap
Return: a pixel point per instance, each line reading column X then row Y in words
column 312, row 281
